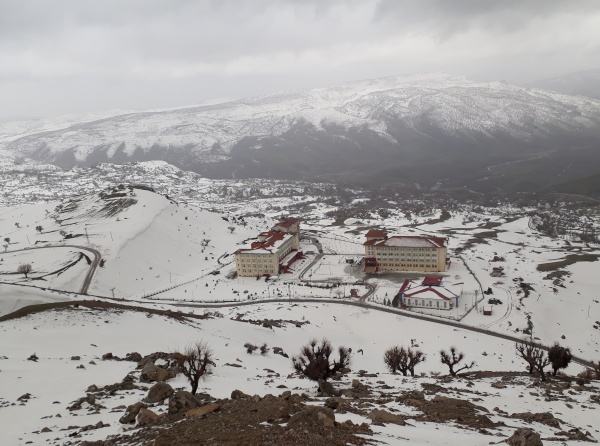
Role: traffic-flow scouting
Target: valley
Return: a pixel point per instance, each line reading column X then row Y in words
column 166, row 278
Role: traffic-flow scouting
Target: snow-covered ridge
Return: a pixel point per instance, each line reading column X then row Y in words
column 452, row 104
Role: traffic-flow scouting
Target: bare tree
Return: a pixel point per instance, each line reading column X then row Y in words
column 197, row 361
column 596, row 369
column 559, row 357
column 404, row 360
column 530, row 353
column 453, row 359
column 315, row 360
column 541, row 362
column 24, row 268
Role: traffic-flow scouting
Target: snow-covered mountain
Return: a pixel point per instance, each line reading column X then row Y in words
column 364, row 129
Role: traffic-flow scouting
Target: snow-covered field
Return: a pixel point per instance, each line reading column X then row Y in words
column 91, row 333
column 173, row 250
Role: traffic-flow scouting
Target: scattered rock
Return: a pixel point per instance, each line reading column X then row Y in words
column 75, row 358
column 152, row 372
column 312, row 415
column 133, row 356
column 544, row 418
column 146, row 417
column 383, row 416
column 238, row 395
column 525, row 437
column 131, row 413
column 24, row 398
column 182, row 401
column 158, row 393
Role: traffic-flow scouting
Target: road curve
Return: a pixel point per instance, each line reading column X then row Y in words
column 358, row 304
column 93, row 266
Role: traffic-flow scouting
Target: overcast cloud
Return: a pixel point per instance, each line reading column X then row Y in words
column 76, row 56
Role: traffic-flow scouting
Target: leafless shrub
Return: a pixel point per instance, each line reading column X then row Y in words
column 453, row 359
column 534, row 356
column 403, row 360
column 315, row 360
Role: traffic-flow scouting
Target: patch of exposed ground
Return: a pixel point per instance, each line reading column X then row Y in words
column 250, row 420
column 570, row 259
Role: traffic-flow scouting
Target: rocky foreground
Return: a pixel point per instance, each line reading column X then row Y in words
column 347, row 410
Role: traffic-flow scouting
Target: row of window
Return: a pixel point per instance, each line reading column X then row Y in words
column 428, row 303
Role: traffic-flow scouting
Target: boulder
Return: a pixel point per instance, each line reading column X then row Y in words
column 146, row 417
column 152, row 372
column 159, row 392
column 239, row 395
column 383, row 416
column 202, row 410
column 133, row 356
column 525, row 437
column 312, row 416
column 182, row 401
column 131, row 413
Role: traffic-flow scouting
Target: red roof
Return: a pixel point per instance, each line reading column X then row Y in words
column 405, row 285
column 270, row 238
column 379, row 233
column 423, row 290
column 437, row 242
column 432, row 281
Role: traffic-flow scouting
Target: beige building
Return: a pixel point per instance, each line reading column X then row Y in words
column 271, row 252
column 404, row 253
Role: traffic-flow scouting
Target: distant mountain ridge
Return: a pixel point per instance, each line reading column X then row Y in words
column 416, row 130
column 584, row 83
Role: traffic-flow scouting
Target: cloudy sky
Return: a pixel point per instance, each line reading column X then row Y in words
column 79, row 56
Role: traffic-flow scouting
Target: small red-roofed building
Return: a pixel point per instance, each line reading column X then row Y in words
column 428, row 294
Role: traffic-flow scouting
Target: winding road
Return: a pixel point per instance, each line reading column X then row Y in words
column 93, row 265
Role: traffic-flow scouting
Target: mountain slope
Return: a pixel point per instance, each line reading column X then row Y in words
column 424, row 130
column 585, row 83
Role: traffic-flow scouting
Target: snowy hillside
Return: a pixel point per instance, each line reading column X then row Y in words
column 400, row 119
column 143, row 242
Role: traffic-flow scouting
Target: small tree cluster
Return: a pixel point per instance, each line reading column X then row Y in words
column 453, row 359
column 196, row 362
column 315, row 361
column 251, row 348
column 403, row 360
